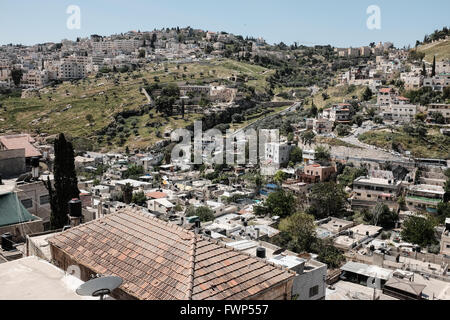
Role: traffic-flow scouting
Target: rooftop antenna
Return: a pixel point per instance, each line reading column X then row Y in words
column 99, row 286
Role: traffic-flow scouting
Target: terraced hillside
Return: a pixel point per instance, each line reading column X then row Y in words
column 435, row 145
column 83, row 107
column 440, row 49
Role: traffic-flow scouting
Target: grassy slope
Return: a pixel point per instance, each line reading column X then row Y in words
column 439, row 49
column 437, row 149
column 86, row 98
column 336, row 95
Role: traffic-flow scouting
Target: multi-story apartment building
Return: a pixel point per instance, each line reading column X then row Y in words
column 412, row 80
column 403, row 112
column 441, row 108
column 71, row 70
column 365, row 51
column 322, row 172
column 438, row 82
column 424, row 197
column 277, row 153
column 339, row 113
column 353, row 52
column 35, row 198
column 36, row 78
column 368, row 191
column 123, row 45
column 385, row 96
column 443, row 66
column 319, row 126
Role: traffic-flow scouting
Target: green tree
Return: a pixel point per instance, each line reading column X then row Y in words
column 443, row 211
column 89, row 118
column 203, row 213
column 16, row 75
column 65, row 182
column 419, row 231
column 350, row 174
column 139, row 198
column 382, row 216
column 326, row 200
column 424, row 70
column 371, row 112
column 421, row 117
column 133, row 172
column 313, row 111
column 328, row 254
column 358, row 120
column 127, row 191
column 344, row 130
column 279, row 177
column 307, row 137
column 367, row 94
column 301, row 229
column 296, row 155
column 280, row 203
column 322, row 154
column 437, row 117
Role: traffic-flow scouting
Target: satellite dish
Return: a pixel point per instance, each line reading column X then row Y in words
column 99, row 287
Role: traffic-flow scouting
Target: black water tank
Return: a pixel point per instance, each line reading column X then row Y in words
column 245, row 223
column 261, row 252
column 35, row 162
column 75, row 208
column 198, row 224
column 208, row 232
column 7, row 242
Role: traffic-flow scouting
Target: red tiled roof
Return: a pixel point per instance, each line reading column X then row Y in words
column 159, row 260
column 20, row 141
column 403, row 98
column 385, row 90
column 156, row 195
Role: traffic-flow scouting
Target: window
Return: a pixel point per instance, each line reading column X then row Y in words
column 45, row 199
column 27, row 203
column 313, row 291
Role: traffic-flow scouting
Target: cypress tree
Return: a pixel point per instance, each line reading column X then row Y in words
column 424, row 70
column 433, row 70
column 65, row 182
column 182, row 108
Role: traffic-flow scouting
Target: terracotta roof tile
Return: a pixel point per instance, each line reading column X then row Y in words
column 20, row 141
column 160, row 260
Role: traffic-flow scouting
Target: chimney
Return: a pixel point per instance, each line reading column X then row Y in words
column 257, row 233
column 35, row 167
column 198, row 225
column 75, row 212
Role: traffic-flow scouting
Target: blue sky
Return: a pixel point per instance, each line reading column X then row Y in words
column 340, row 23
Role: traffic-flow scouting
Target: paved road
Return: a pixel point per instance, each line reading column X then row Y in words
column 368, row 151
column 282, row 112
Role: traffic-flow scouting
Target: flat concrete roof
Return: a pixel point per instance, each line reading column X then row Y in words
column 344, row 290
column 362, row 229
column 367, row 270
column 32, row 278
